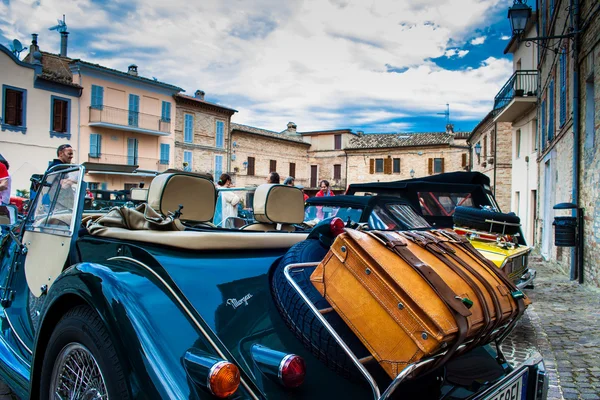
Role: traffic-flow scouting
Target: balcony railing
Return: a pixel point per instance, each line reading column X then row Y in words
column 126, row 118
column 520, row 84
column 153, row 164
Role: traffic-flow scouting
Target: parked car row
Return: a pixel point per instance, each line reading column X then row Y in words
column 155, row 301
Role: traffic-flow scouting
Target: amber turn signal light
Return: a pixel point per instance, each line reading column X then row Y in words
column 223, row 379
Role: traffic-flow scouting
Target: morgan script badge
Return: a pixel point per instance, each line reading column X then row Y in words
column 235, row 303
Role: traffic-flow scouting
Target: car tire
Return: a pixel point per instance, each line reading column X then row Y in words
column 475, row 218
column 300, row 319
column 81, row 334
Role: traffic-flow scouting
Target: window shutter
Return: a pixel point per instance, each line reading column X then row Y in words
column 442, row 165
column 337, row 171
column 293, row 169
column 166, row 111
column 93, row 145
column 165, row 150
column 188, row 128
column 272, row 165
column 430, row 166
column 543, row 127
column 338, row 142
column 97, row 96
column 563, row 87
column 464, row 160
column 250, row 166
column 387, row 165
column 219, row 140
column 10, row 117
column 372, row 166
column 57, row 118
column 551, row 111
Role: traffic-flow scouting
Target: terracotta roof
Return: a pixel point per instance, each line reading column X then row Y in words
column 55, row 68
column 203, row 102
column 267, row 133
column 126, row 75
column 327, row 132
column 387, row 140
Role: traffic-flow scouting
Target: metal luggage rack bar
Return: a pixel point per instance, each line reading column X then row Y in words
column 409, row 369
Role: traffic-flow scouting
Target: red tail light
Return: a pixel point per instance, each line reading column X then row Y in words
column 336, row 226
column 292, row 371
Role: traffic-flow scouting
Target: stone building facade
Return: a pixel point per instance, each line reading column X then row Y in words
column 256, row 152
column 328, row 158
column 493, row 141
column 569, row 163
column 202, row 135
column 392, row 157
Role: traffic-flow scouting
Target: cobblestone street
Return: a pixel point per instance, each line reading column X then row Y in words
column 563, row 324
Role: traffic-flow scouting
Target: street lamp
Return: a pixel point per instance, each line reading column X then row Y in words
column 412, row 173
column 519, row 14
column 478, row 148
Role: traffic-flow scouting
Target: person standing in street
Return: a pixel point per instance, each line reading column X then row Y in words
column 5, row 181
column 325, row 191
column 273, row 178
column 289, row 181
column 64, row 152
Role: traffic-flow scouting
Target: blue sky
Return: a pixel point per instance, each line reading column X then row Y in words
column 378, row 66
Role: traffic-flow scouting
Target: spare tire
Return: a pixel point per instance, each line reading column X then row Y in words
column 300, row 319
column 475, row 218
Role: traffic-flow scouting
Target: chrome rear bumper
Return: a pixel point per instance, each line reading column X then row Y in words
column 527, row 278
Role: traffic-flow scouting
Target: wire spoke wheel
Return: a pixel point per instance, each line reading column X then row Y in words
column 76, row 375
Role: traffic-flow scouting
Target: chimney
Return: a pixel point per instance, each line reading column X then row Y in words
column 360, row 133
column 34, row 44
column 291, row 128
column 64, row 38
column 450, row 128
column 132, row 70
column 199, row 94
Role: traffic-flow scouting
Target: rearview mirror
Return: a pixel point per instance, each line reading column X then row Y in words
column 8, row 215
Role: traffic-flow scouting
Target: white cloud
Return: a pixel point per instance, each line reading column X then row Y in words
column 505, row 37
column 304, row 61
column 478, row 40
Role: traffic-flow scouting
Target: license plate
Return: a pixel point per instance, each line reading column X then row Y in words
column 513, row 390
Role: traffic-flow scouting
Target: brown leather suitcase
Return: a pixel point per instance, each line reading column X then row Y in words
column 409, row 295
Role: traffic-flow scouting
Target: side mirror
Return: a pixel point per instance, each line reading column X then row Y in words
column 8, row 215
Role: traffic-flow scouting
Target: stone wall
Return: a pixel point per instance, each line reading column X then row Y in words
column 264, row 149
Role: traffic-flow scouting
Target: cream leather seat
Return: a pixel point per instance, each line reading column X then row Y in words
column 277, row 208
column 196, row 194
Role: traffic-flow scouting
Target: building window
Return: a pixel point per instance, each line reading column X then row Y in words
column 517, row 203
column 220, row 134
column 464, row 160
column 187, row 161
column 590, row 113
column 563, row 87
column 484, row 147
column 95, row 145
column 218, row 167
column 436, row 166
column 132, row 151
column 337, row 142
column 293, row 169
column 378, row 165
column 337, row 171
column 129, row 186
column 396, row 166
column 250, row 166
column 551, row 126
column 59, row 121
column 535, row 134
column 14, row 107
column 165, row 152
column 188, row 128
column 518, row 144
column 93, row 185
column 272, row 165
column 134, row 110
column 97, row 97
column 165, row 113
column 543, row 127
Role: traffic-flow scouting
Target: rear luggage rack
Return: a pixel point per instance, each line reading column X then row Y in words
column 359, row 363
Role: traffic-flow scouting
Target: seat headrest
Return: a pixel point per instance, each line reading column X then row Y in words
column 278, row 204
column 197, row 195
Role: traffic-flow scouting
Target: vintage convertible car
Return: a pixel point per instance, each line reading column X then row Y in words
column 155, row 302
column 464, row 201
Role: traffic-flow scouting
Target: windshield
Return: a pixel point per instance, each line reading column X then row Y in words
column 234, row 207
column 313, row 214
column 442, row 204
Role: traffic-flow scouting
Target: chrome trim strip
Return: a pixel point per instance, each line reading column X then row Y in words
column 188, row 312
column 12, row 328
column 532, row 274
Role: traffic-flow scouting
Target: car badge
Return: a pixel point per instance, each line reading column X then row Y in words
column 235, row 303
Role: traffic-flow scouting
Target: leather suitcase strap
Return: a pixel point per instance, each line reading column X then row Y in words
column 451, row 253
column 476, row 255
column 460, row 311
